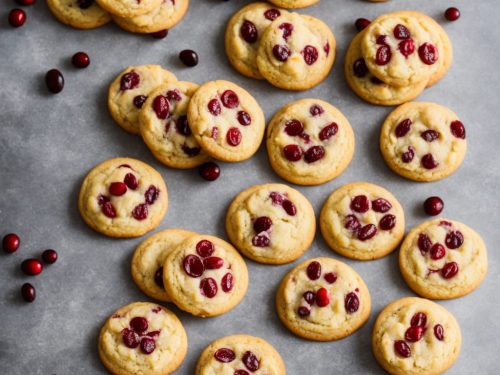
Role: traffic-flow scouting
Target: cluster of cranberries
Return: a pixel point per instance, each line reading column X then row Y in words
column 249, row 359
column 54, row 79
column 137, row 334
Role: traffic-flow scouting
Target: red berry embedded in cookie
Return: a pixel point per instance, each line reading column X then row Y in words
column 289, row 207
column 419, row 320
column 428, row 53
column 182, row 126
column 139, row 101
column 406, row 47
column 214, row 107
column 367, row 232
column 272, row 14
column 429, row 135
column 130, row 338
column 54, row 81
column 244, row 118
column 383, row 55
column 227, row 282
column 210, row 171
column 351, row 303
column 160, row 34
column 314, row 154
column 381, row 205
column 251, row 361
column 401, row 32
column 359, row 68
column 148, row 345
column 131, row 181
column 414, row 333
column 248, row 32
column 292, row 152
column 454, row 240
column 208, row 287
column 230, row 99
column 330, row 277
column 433, row 206
column 233, row 137
column 84, row 4
column 276, row 198
column 205, row 248
column 403, row 128
column 261, row 240
column 424, row 243
column 408, row 156
column 309, row 297
column 326, row 48
column 437, row 251
column 457, row 129
column 161, row 107
column 129, row 81
column 213, row 263
column 139, row 324
column 193, row 266
column 351, row 222
column 159, row 277
column 32, row 267
column 361, row 23
column 304, row 311
column 140, row 212
column 449, row 270
column 80, row 60
column 17, row 17
column 314, row 270
column 262, row 224
column 49, row 256
column 328, row 131
column 439, row 332
column 360, row 203
column 322, row 297
column 224, row 355
column 151, row 195
column 310, row 54
column 382, row 40
column 11, row 242
column 117, row 189
column 387, row 222
column 316, row 110
column 452, row 14
column 28, row 292
column 402, row 349
column 287, row 29
column 428, row 161
column 108, row 209
column 294, row 128
column 189, row 57
column 281, row 52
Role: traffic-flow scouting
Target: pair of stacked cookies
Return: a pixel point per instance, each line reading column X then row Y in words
column 291, row 51
column 396, row 57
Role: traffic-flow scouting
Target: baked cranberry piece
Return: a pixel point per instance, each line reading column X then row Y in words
column 160, row 34
column 281, row 52
column 437, row 251
column 131, row 181
column 31, row 267
column 227, row 282
column 387, row 222
column 11, row 242
column 230, row 99
column 403, row 128
column 193, row 266
column 140, row 212
column 17, row 17
column 148, row 345
column 272, row 14
column 117, row 189
column 316, row 110
column 210, row 171
column 213, row 263
column 139, row 324
column 322, row 297
column 383, row 55
column 351, row 303
column 261, row 240
column 161, row 107
column 262, row 224
column 428, row 161
column 233, row 137
column 251, row 361
column 314, row 270
column 361, row 23
column 359, row 68
column 292, row 152
column 310, row 54
column 108, row 209
column 406, row 47
column 452, row 14
column 428, row 53
column 457, row 129
column 294, row 127
column 351, row 222
column 244, row 118
column 182, row 126
column 449, row 270
column 289, row 207
column 439, row 332
column 367, row 232
column 287, row 29
column 224, row 355
column 414, row 333
column 208, row 287
column 382, row 40
column 28, row 292
column 429, row 135
column 276, row 198
column 84, row 4
column 381, row 205
column 401, row 32
column 129, row 81
column 205, row 248
column 304, row 311
column 159, row 277
column 309, row 297
column 314, row 154
column 424, row 243
column 130, row 338
column 248, row 32
column 139, row 101
column 402, row 349
column 328, row 131
column 433, row 206
column 214, row 107
column 408, row 156
column 330, row 277
column 360, row 203
column 419, row 320
column 454, row 239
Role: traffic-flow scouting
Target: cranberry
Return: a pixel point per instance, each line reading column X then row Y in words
column 148, row 345
column 159, row 277
column 11, row 242
column 130, row 338
column 322, row 297
column 287, row 29
column 208, row 287
column 272, row 14
column 359, row 68
column 233, row 137
column 213, row 263
column 304, row 311
column 403, row 128
column 32, row 267
column 449, row 270
column 402, row 349
column 174, row 95
column 262, row 224
column 189, row 57
column 261, row 240
column 437, row 251
column 214, row 107
column 314, row 270
column 310, row 297
column 139, row 101
column 281, row 52
column 414, row 333
column 376, row 81
column 328, row 131
column 382, row 40
column 381, row 205
column 244, row 118
column 190, row 151
column 108, row 209
column 227, row 282
column 224, row 355
column 248, row 32
column 452, row 14
column 193, row 266
column 140, row 212
column 310, row 54
column 229, row 99
column 406, row 47
column 360, row 203
column 326, row 48
column 117, row 189
column 454, row 240
column 314, row 154
column 49, row 256
column 387, row 222
column 351, row 303
column 439, row 332
column 330, row 277
column 54, row 81
column 430, row 135
column 457, row 129
column 383, row 55
column 151, row 195
column 361, row 23
column 17, row 17
column 433, row 206
column 276, row 198
column 428, row 53
column 408, row 155
column 292, row 152
column 129, row 81
column 131, row 181
column 294, row 127
column 210, row 171
column 80, row 60
column 251, row 361
column 351, row 222
column 289, row 207
column 182, row 126
column 316, row 110
column 401, row 32
column 428, row 161
column 424, row 243
column 419, row 320
column 161, row 107
column 139, row 324
column 28, row 292
column 367, row 232
column 160, row 34
column 26, row 2
column 84, row 4
column 205, row 248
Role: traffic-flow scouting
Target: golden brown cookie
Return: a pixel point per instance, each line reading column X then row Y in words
column 129, row 8
column 79, row 14
column 294, row 3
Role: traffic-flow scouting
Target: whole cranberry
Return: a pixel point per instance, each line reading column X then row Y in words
column 189, row 57
column 452, row 14
column 31, row 267
column 54, row 81
column 80, row 60
column 433, row 206
column 210, row 171
column 49, row 256
column 17, row 17
column 11, row 242
column 28, row 292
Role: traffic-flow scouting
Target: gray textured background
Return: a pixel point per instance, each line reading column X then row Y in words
column 48, row 143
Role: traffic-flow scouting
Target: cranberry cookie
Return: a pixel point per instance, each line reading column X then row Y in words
column 240, row 355
column 294, row 3
column 423, row 141
column 323, row 299
column 80, row 14
column 123, row 197
column 414, row 336
column 296, row 52
column 129, row 8
column 205, row 276
column 226, row 120
column 271, row 223
column 309, row 142
column 443, row 259
column 142, row 338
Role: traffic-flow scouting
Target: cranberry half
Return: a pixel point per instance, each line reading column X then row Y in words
column 11, row 242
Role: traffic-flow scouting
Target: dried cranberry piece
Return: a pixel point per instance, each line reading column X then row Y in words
column 139, row 101
column 193, row 266
column 401, row 32
column 383, row 55
column 439, row 332
column 214, row 108
column 205, row 248
column 117, row 189
column 148, row 345
column 381, row 40
column 419, row 320
column 424, row 243
column 316, row 110
column 233, row 137
column 130, row 338
column 330, row 277
column 402, row 349
column 161, row 107
column 248, row 32
column 213, row 263
column 208, row 287
column 309, row 297
column 293, row 127
column 428, row 161
column 429, row 135
column 190, row 151
column 108, row 209
column 437, row 251
column 151, row 195
column 367, row 232
column 229, row 99
column 314, row 270
column 292, row 152
column 289, row 207
column 454, row 239
column 360, row 203
column 159, row 277
column 328, row 131
column 428, row 53
column 304, row 311
column 131, row 181
column 174, row 95
column 351, row 222
column 381, row 205
column 244, row 118
column 414, row 333
column 140, row 212
column 287, row 29
column 262, row 224
column 251, row 361
column 314, row 154
column 139, row 324
column 351, row 303
column 272, row 14
column 408, row 155
column 457, row 129
column 182, row 126
column 225, row 355
column 359, row 68
column 276, row 198
column 227, row 282
column 129, row 81
column 261, row 240
column 403, row 128
column 449, row 270
column 281, row 52
column 406, row 47
column 310, row 54
column 387, row 222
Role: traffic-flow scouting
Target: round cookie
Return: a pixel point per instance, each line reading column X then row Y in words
column 226, row 120
column 271, row 223
column 164, row 127
column 165, row 16
column 309, row 142
column 142, row 338
column 423, row 141
column 129, row 8
column 130, row 89
column 323, row 299
column 294, row 3
column 443, row 259
column 243, row 33
column 240, row 354
column 296, row 52
column 362, row 221
column 79, row 14
column 123, row 197
column 205, row 276
column 148, row 259
column 415, row 336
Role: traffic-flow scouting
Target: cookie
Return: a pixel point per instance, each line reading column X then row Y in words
column 362, row 221
column 142, row 338
column 423, row 141
column 148, row 259
column 294, row 3
column 226, row 120
column 81, row 14
column 205, row 276
column 415, row 336
column 240, row 355
column 296, row 52
column 443, row 259
column 123, row 197
column 323, row 299
column 309, row 142
column 271, row 223
column 165, row 16
column 165, row 129
column 243, row 33
column 130, row 89
column 129, row 8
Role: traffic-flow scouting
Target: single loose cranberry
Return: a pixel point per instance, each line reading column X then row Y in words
column 406, row 47
column 189, row 57
column 117, row 189
column 351, row 303
column 408, row 156
column 383, row 55
column 439, row 332
column 210, row 171
column 359, row 68
column 139, row 101
column 433, row 206
column 80, row 60
column 322, row 297
column 309, row 297
column 454, row 240
column 310, row 54
column 11, row 242
column 293, row 127
column 139, row 324
column 26, row 2
column 330, row 277
column 304, row 311
column 457, row 129
column 449, row 270
column 289, row 207
column 419, row 320
column 208, row 287
column 230, row 99
column 403, row 128
column 84, row 4
column 244, row 118
column 424, row 243
column 437, row 251
column 316, row 110
column 292, row 152
column 224, row 355
column 402, row 349
column 428, row 53
column 414, row 333
column 248, row 32
column 28, row 292
column 182, row 126
column 151, row 195
column 429, row 135
column 213, row 263
column 428, row 161
column 251, row 361
column 193, row 266
column 360, row 203
column 130, row 338
column 17, row 17
column 272, row 14
column 233, row 137
column 452, row 14
column 140, row 212
column 351, row 222
column 314, row 270
column 205, row 248
column 281, row 52
column 262, row 224
column 361, row 23
column 131, row 181
column 32, row 267
column 381, row 205
column 160, row 34
column 214, row 107
column 261, row 240
column 148, row 345
column 54, row 81
column 367, row 232
column 328, row 131
column 401, row 32
column 129, row 81
column 161, row 107
column 159, row 277
column 287, row 29
column 227, row 282
column 49, row 256
column 108, row 209
column 314, row 154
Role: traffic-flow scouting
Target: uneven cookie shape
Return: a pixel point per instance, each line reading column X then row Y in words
column 443, row 259
column 271, row 223
column 323, row 299
column 123, row 197
column 294, row 3
column 205, row 276
column 309, row 142
column 142, row 338
column 129, row 8
column 226, row 120
column 296, row 52
column 414, row 336
column 362, row 221
column 240, row 355
column 423, row 141
column 81, row 14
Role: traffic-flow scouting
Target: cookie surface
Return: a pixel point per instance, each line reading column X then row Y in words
column 128, row 92
column 443, row 259
column 142, row 338
column 309, row 142
column 164, row 127
column 205, row 276
column 129, row 8
column 323, row 299
column 423, row 141
column 240, row 354
column 415, row 336
column 148, row 259
column 296, row 52
column 362, row 221
column 226, row 120
column 81, row 15
column 123, row 197
column 271, row 223
column 294, row 3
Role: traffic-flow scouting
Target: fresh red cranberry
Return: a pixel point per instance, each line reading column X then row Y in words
column 351, row 303
column 360, row 203
column 229, row 99
column 139, row 324
column 289, row 207
column 261, row 240
column 304, row 311
column 205, row 248
column 161, row 107
column 361, row 23
column 174, row 96
column 316, row 110
column 54, row 81
column 281, row 52
column 351, row 222
column 433, row 206
column 414, row 333
column 11, row 242
column 401, row 32
column 314, row 154
column 248, row 32
column 182, row 126
column 233, row 137
column 452, row 14
column 17, row 17
column 424, row 243
column 108, row 209
column 193, row 266
column 287, row 29
column 314, row 270
column 159, row 277
column 328, row 131
column 28, row 292
column 80, row 60
column 262, row 224
column 403, row 128
column 330, row 277
column 189, row 57
column 309, row 297
column 437, row 251
column 292, row 152
column 49, row 256
column 129, row 81
column 419, row 320
column 84, row 4
column 294, row 128
column 32, row 267
column 367, row 232
column 227, row 282
column 130, row 338
column 428, row 161
column 151, row 195
column 322, row 297
column 131, row 181
column 406, row 47
column 213, row 263
column 359, row 68
column 276, row 198
column 428, row 53
column 224, row 355
column 26, row 2
column 408, row 155
column 429, row 135
column 383, row 55
column 402, row 349
column 381, row 205
column 148, row 345
column 251, row 361
column 208, row 287
column 382, row 40
column 439, row 332
column 454, row 240
column 387, row 222
column 457, row 129
column 210, row 171
column 117, row 189
column 449, row 270
column 244, row 118
column 139, row 101
column 272, row 14
column 160, row 34
column 310, row 54
column 140, row 212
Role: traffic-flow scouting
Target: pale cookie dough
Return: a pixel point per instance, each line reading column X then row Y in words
column 294, row 3
column 129, row 8
column 81, row 14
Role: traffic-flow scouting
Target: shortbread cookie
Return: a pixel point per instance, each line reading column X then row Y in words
column 294, row 3
column 423, row 141
column 414, row 336
column 205, row 276
column 309, row 142
column 243, row 33
column 323, row 299
column 164, row 126
column 296, row 52
column 362, row 221
column 271, row 223
column 240, row 355
column 443, row 259
column 148, row 259
column 129, row 8
column 81, row 14
column 123, row 197
column 226, row 120
column 130, row 89
column 142, row 338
